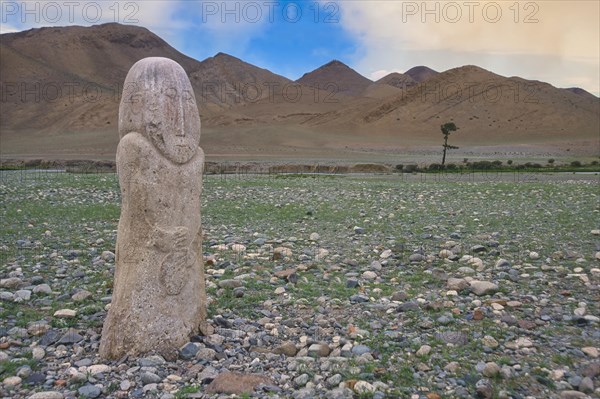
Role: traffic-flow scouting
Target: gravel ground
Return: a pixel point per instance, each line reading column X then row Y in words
column 319, row 286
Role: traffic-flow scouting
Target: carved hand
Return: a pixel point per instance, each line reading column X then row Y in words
column 172, row 239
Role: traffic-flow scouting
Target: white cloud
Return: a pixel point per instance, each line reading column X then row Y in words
column 158, row 15
column 5, row 28
column 224, row 25
column 510, row 36
column 230, row 26
column 380, row 73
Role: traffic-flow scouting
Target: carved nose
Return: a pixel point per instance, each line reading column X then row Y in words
column 179, row 117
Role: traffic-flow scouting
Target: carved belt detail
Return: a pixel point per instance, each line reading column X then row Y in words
column 174, row 270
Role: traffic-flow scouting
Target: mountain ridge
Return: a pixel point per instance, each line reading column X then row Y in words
column 421, row 73
column 251, row 108
column 345, row 79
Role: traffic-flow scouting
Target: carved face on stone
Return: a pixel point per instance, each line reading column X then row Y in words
column 158, row 102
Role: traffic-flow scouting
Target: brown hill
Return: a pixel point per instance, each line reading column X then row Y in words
column 101, row 54
column 421, row 73
column 381, row 90
column 226, row 81
column 70, row 78
column 398, row 80
column 390, row 85
column 73, row 76
column 243, row 95
column 488, row 108
column 491, row 110
column 61, row 90
column 338, row 76
column 582, row 92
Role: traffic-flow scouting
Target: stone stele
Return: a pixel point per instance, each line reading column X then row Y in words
column 159, row 296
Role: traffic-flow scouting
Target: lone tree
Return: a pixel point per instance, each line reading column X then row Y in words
column 448, row 128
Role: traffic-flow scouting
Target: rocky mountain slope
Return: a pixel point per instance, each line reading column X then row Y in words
column 61, row 89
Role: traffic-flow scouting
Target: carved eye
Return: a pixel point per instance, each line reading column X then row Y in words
column 171, row 93
column 188, row 97
column 130, row 89
column 135, row 98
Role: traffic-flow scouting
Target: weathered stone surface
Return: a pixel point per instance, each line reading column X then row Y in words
column 236, row 383
column 47, row 395
column 284, row 274
column 483, row 287
column 12, row 282
column 98, row 368
column 38, row 353
column 281, row 253
column 457, row 284
column 590, row 351
column 424, row 350
column 89, row 391
column 81, row 295
column 230, row 283
column 65, row 313
column 363, row 387
column 319, row 350
column 586, row 385
column 572, row 395
column 206, row 329
column 70, row 337
column 287, row 348
column 188, row 351
column 12, row 381
column 491, row 369
column 42, row 289
column 159, row 290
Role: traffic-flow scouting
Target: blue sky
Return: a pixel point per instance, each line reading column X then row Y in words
column 287, row 37
column 554, row 41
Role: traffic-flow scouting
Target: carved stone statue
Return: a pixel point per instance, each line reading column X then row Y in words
column 159, row 294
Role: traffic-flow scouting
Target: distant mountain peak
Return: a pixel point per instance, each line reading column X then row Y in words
column 220, row 54
column 397, row 79
column 581, row 92
column 334, row 63
column 246, row 108
column 118, row 25
column 421, row 73
column 394, row 74
column 346, row 79
column 419, row 68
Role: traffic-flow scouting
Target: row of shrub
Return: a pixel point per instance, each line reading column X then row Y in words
column 492, row 165
column 89, row 166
